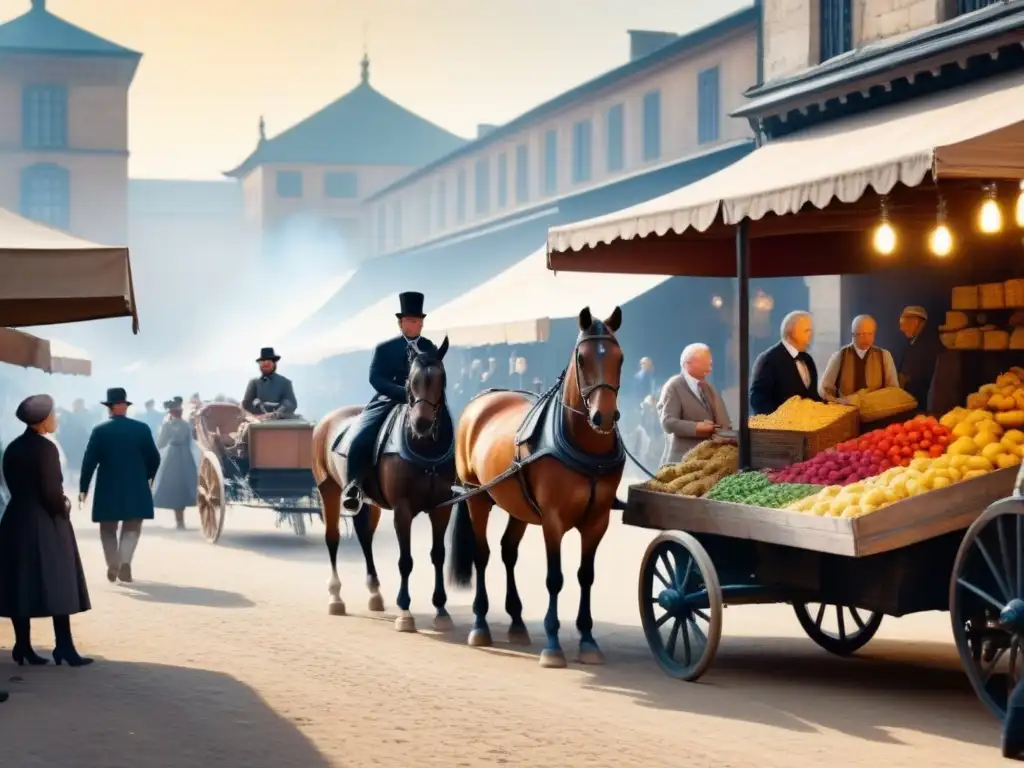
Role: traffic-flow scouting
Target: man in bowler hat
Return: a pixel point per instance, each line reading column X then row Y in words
column 389, row 372
column 122, row 454
column 270, row 387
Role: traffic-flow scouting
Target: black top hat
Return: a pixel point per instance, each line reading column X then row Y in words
column 116, row 395
column 412, row 305
column 267, row 353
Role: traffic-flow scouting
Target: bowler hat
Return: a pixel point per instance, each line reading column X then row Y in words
column 411, row 304
column 116, row 395
column 34, row 409
column 175, row 402
column 267, row 353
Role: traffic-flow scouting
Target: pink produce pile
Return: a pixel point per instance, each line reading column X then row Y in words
column 833, row 468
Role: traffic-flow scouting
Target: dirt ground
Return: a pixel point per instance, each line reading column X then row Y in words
column 225, row 656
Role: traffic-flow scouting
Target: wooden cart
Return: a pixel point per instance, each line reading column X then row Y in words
column 253, row 463
column 959, row 548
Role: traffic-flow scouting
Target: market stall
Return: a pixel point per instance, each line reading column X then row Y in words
column 811, row 508
column 49, row 355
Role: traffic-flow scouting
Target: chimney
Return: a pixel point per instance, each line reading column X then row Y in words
column 482, row 129
column 645, row 42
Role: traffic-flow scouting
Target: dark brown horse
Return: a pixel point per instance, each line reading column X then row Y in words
column 569, row 482
column 411, row 476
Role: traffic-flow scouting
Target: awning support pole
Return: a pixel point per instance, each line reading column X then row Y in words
column 743, row 307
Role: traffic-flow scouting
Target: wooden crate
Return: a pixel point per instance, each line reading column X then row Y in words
column 284, row 444
column 906, row 522
column 777, row 448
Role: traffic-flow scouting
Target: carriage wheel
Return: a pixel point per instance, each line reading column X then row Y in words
column 680, row 604
column 211, row 500
column 852, row 632
column 986, row 602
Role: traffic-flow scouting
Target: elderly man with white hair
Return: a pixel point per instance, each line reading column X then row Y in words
column 785, row 370
column 690, row 409
column 859, row 365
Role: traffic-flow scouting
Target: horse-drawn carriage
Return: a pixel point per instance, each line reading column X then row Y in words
column 253, row 462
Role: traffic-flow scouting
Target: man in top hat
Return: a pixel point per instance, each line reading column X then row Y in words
column 389, row 372
column 122, row 454
column 270, row 388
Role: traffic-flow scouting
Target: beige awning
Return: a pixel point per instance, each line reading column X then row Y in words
column 50, row 355
column 49, row 277
column 975, row 131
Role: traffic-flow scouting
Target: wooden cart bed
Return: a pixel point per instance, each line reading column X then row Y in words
column 901, row 524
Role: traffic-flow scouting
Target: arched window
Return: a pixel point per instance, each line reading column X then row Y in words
column 46, row 195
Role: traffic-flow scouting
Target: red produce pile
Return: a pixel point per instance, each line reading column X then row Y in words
column 833, row 468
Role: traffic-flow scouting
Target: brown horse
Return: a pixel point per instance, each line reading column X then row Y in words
column 409, row 478
column 570, row 466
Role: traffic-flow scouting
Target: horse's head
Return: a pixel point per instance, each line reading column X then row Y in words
column 597, row 369
column 425, row 391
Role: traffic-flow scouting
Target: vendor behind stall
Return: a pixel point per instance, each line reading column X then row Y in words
column 917, row 366
column 859, row 365
column 785, row 369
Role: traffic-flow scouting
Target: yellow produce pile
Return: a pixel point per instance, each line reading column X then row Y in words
column 798, row 414
column 979, row 433
column 699, row 471
column 881, row 403
column 1005, row 398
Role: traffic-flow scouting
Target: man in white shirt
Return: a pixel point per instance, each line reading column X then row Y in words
column 859, row 365
column 690, row 409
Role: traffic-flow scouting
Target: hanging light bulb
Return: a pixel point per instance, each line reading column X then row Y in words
column 1020, row 206
column 941, row 239
column 884, row 239
column 990, row 218
column 716, row 302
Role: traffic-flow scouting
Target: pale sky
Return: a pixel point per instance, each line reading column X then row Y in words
column 210, row 68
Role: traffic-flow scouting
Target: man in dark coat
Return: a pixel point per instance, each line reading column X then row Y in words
column 785, row 370
column 270, row 388
column 916, row 368
column 125, row 454
column 389, row 372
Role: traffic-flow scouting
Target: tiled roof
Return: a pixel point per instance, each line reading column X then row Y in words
column 363, row 127
column 39, row 31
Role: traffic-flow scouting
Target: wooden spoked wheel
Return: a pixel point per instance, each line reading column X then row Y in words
column 986, row 602
column 680, row 604
column 211, row 499
column 838, row 629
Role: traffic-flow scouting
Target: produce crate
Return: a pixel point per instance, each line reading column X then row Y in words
column 778, row 448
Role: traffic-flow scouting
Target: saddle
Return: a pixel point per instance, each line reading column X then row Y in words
column 393, row 440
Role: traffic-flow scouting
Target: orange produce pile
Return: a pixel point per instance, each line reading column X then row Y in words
column 920, row 437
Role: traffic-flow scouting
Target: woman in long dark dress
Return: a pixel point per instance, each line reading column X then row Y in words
column 41, row 573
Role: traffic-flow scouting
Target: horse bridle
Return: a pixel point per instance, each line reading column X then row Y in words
column 586, row 391
column 414, row 401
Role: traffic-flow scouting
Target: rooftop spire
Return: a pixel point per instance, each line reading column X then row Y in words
column 364, row 65
column 263, row 129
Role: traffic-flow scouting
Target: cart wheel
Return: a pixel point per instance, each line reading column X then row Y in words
column 679, row 593
column 211, row 501
column 986, row 602
column 852, row 633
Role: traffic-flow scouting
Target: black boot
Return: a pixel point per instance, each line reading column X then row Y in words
column 65, row 645
column 22, row 651
column 351, row 499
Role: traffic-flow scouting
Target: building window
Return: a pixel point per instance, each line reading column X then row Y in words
column 46, row 195
column 707, row 106
column 551, row 162
column 615, row 124
column 482, row 186
column 442, row 205
column 652, row 126
column 382, row 229
column 396, row 224
column 836, row 28
column 966, row 6
column 522, row 174
column 44, row 117
column 460, row 197
column 341, row 184
column 289, row 183
column 582, row 151
column 502, row 180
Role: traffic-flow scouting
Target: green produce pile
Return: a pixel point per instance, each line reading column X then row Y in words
column 755, row 489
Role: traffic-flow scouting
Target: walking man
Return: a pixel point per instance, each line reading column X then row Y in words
column 123, row 455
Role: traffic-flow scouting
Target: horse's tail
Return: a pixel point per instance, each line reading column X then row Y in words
column 463, row 548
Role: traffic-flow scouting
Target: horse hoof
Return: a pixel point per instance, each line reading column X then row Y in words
column 444, row 623
column 519, row 637
column 405, row 624
column 480, row 638
column 376, row 603
column 336, row 609
column 591, row 654
column 550, row 659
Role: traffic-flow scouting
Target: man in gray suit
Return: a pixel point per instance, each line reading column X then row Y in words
column 690, row 409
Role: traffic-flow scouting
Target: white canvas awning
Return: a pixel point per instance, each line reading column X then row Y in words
column 50, row 355
column 49, row 277
column 975, row 131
